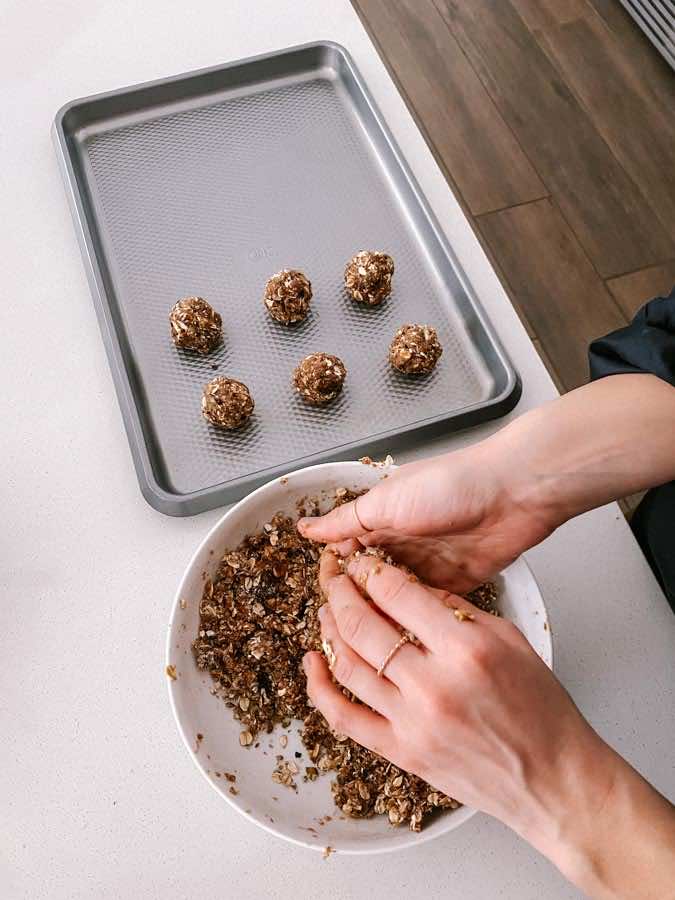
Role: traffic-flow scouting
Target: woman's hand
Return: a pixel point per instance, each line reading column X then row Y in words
column 477, row 714
column 459, row 518
column 473, row 710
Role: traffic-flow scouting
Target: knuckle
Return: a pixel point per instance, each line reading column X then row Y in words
column 325, row 700
column 446, row 707
column 343, row 669
column 472, row 657
column 416, row 678
column 395, row 588
column 352, row 623
column 480, row 658
column 338, row 583
column 343, row 517
column 433, row 704
column 337, row 720
column 484, row 657
column 314, row 693
column 480, row 653
column 510, row 631
column 455, row 652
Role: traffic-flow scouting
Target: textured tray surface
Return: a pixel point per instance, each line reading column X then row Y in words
column 212, row 200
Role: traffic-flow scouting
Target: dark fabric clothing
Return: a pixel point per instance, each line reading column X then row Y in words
column 647, row 345
column 653, row 525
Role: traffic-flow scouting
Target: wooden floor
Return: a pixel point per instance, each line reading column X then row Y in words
column 554, row 122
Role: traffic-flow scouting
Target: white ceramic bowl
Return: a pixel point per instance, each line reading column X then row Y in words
column 296, row 816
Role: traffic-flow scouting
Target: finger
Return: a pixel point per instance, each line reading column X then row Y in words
column 442, row 559
column 329, row 568
column 401, row 597
column 442, row 595
column 330, row 562
column 369, row 634
column 404, row 599
column 339, row 524
column 353, row 672
column 366, row 727
column 374, row 509
column 463, row 609
column 345, row 548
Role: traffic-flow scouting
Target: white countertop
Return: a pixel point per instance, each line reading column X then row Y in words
column 97, row 795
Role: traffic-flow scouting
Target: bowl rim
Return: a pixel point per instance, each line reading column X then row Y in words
column 458, row 817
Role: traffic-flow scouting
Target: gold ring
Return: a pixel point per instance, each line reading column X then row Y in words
column 358, row 517
column 404, row 639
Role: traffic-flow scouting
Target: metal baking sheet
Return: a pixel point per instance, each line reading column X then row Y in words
column 207, row 184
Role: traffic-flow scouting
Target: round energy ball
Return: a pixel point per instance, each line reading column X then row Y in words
column 287, row 296
column 319, row 378
column 195, row 325
column 226, row 403
column 415, row 349
column 368, row 277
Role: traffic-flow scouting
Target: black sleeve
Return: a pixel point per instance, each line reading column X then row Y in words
column 646, row 345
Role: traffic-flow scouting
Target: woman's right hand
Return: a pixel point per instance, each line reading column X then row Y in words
column 459, row 518
column 471, row 709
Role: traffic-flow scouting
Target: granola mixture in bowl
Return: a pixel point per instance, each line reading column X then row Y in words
column 243, row 616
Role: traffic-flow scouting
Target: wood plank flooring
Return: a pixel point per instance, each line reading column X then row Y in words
column 631, row 291
column 557, row 287
column 553, row 122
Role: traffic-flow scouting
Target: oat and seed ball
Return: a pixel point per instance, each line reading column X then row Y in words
column 415, row 349
column 319, row 378
column 195, row 325
column 368, row 277
column 287, row 296
column 226, row 403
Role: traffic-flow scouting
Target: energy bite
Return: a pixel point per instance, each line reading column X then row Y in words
column 287, row 296
column 195, row 325
column 226, row 403
column 415, row 349
column 368, row 277
column 319, row 378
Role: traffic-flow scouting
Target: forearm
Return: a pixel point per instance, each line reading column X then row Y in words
column 603, row 441
column 613, row 837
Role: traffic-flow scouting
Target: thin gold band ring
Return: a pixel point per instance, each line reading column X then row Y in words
column 404, row 639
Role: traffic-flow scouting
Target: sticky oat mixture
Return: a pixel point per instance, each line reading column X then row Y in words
column 257, row 620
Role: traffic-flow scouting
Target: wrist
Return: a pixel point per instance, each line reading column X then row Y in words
column 604, row 827
column 598, row 443
column 551, row 473
column 572, row 815
column 526, row 480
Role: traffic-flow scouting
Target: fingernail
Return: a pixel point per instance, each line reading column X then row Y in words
column 303, row 524
column 306, row 662
column 322, row 612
